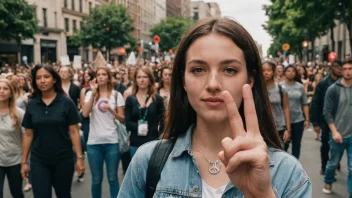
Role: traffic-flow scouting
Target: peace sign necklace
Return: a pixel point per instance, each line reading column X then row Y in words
column 214, row 167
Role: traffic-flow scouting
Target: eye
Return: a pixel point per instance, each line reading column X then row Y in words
column 197, row 70
column 230, row 71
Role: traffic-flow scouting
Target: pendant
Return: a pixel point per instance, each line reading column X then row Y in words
column 213, row 167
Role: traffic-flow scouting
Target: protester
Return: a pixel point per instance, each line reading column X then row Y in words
column 279, row 77
column 51, row 128
column 72, row 90
column 338, row 112
column 144, row 110
column 279, row 103
column 164, row 84
column 204, row 117
column 316, row 112
column 299, row 110
column 10, row 140
column 105, row 105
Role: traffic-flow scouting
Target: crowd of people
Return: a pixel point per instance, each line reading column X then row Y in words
column 211, row 104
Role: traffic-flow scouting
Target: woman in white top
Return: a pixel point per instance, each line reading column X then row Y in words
column 10, row 140
column 20, row 95
column 105, row 105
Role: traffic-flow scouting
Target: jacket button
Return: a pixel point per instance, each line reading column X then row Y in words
column 195, row 188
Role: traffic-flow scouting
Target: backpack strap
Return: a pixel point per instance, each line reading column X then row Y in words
column 281, row 95
column 156, row 164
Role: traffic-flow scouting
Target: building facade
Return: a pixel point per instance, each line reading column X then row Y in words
column 201, row 10
column 58, row 20
column 147, row 18
column 178, row 7
column 160, row 10
column 323, row 45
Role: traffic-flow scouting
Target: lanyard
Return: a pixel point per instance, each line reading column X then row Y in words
column 146, row 109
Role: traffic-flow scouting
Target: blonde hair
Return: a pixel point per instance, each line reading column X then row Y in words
column 110, row 84
column 12, row 105
column 151, row 86
column 69, row 69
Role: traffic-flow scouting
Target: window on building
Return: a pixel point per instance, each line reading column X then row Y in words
column 74, row 24
column 73, row 5
column 67, row 27
column 65, row 3
column 44, row 18
column 80, row 6
column 90, row 7
column 195, row 16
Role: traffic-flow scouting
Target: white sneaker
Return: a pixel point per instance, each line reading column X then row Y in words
column 327, row 188
column 80, row 179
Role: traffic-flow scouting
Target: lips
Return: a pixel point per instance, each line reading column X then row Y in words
column 213, row 101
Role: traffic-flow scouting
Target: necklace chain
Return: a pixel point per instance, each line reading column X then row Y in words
column 213, row 166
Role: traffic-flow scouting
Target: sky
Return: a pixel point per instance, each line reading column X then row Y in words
column 250, row 14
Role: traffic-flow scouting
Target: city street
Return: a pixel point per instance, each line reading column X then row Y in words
column 310, row 159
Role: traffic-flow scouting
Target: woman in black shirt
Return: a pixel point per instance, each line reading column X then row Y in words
column 144, row 110
column 51, row 127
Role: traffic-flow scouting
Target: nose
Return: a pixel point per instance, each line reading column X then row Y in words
column 213, row 82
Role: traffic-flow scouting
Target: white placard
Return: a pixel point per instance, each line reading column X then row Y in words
column 167, row 58
column 65, row 60
column 77, row 62
column 291, row 59
column 153, row 59
column 131, row 59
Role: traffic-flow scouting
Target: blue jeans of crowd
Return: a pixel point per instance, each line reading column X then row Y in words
column 336, row 151
column 133, row 150
column 97, row 154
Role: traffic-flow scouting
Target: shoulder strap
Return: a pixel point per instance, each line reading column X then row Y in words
column 281, row 95
column 156, row 164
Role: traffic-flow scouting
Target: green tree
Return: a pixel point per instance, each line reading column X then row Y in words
column 17, row 21
column 170, row 31
column 295, row 21
column 109, row 26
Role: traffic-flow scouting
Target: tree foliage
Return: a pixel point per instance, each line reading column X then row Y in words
column 295, row 21
column 109, row 26
column 17, row 17
column 170, row 31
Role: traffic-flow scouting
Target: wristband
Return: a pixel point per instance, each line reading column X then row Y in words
column 22, row 163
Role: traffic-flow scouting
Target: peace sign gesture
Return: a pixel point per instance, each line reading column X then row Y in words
column 246, row 156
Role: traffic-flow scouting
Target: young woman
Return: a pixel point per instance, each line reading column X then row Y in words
column 72, row 90
column 19, row 94
column 105, row 105
column 217, row 83
column 10, row 140
column 24, row 83
column 279, row 77
column 164, row 84
column 144, row 110
column 51, row 128
column 279, row 103
column 299, row 110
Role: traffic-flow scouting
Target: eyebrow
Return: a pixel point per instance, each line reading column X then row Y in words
column 224, row 62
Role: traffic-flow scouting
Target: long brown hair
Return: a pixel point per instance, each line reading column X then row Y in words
column 181, row 115
column 12, row 105
column 161, row 82
column 151, row 87
column 110, row 84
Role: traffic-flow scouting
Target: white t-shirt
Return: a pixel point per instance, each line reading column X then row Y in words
column 102, row 127
column 210, row 192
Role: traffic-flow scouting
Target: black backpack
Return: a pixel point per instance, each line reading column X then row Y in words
column 156, row 164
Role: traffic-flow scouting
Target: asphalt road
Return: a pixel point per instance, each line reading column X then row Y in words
column 310, row 159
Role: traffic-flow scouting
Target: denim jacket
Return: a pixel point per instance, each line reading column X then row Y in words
column 181, row 178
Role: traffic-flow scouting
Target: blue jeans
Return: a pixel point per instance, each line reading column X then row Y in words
column 336, row 150
column 133, row 151
column 97, row 154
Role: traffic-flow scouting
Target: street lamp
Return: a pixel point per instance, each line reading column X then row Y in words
column 305, row 46
column 19, row 47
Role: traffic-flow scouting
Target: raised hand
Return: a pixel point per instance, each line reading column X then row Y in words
column 93, row 85
column 246, row 156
